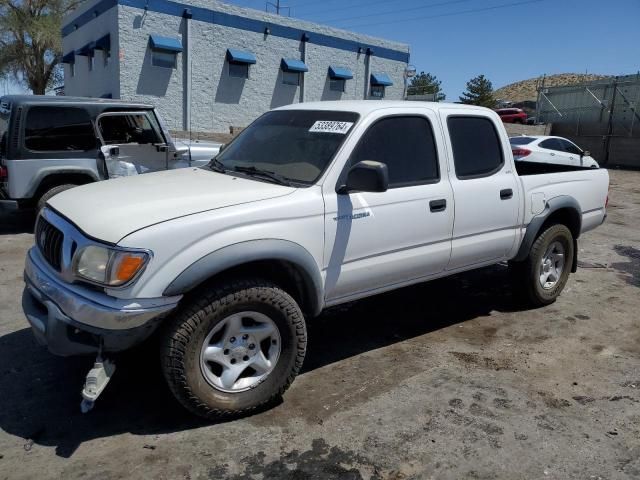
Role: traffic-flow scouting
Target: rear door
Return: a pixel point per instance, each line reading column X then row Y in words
column 485, row 188
column 377, row 240
column 135, row 141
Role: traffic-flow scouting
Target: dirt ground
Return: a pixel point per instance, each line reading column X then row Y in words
column 450, row 379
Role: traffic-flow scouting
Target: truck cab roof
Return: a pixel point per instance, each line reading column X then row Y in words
column 365, row 107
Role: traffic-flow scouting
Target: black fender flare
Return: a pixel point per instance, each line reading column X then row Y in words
column 536, row 223
column 242, row 253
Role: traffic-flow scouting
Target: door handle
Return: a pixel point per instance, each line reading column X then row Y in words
column 438, row 205
column 506, row 194
column 552, row 154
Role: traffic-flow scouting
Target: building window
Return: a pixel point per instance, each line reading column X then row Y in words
column 377, row 91
column 72, row 69
column 90, row 61
column 291, row 78
column 161, row 58
column 106, row 55
column 337, row 84
column 238, row 70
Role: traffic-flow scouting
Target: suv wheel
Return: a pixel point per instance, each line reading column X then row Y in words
column 544, row 274
column 235, row 349
column 42, row 202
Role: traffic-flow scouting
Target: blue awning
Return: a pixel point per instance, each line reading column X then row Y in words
column 340, row 73
column 69, row 58
column 87, row 50
column 240, row 56
column 381, row 79
column 104, row 43
column 293, row 65
column 165, row 43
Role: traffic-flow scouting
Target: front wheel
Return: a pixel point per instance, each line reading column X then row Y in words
column 235, row 349
column 544, row 274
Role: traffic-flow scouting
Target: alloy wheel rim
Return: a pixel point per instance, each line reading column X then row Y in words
column 552, row 265
column 240, row 352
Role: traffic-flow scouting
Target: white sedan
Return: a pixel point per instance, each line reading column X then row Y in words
column 545, row 149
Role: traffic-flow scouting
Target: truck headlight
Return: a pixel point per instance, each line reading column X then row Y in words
column 107, row 266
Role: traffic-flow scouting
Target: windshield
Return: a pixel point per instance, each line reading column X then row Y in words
column 521, row 140
column 297, row 145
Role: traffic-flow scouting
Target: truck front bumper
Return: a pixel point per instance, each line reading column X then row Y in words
column 71, row 324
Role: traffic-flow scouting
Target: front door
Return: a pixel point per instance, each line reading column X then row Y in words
column 377, row 240
column 486, row 190
column 134, row 140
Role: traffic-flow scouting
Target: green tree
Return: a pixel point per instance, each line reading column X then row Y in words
column 479, row 92
column 425, row 83
column 30, row 41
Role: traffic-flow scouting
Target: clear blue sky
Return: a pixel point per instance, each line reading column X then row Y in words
column 505, row 44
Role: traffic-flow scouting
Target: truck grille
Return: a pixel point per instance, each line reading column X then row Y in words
column 49, row 240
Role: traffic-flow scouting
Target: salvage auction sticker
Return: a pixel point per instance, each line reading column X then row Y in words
column 331, row 126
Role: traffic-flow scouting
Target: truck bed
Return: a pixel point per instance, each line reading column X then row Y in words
column 588, row 186
column 536, row 168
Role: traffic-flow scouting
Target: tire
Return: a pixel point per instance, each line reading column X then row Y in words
column 209, row 321
column 42, row 202
column 528, row 275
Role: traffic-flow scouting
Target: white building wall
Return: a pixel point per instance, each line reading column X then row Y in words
column 216, row 100
column 139, row 80
column 103, row 79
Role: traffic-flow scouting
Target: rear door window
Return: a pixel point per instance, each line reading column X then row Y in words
column 406, row 145
column 55, row 129
column 477, row 151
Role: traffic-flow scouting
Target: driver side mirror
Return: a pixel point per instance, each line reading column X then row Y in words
column 366, row 176
column 586, row 153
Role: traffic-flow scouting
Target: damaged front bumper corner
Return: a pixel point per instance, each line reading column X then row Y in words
column 69, row 323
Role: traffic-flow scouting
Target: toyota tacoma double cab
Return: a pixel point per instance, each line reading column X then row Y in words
column 50, row 144
column 311, row 206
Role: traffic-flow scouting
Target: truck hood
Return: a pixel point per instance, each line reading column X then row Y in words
column 112, row 209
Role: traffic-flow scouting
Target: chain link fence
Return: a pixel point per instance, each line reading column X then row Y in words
column 600, row 116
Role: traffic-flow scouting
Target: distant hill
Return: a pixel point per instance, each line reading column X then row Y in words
column 526, row 89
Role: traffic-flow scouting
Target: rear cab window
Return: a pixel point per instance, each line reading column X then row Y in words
column 477, row 150
column 58, row 129
column 521, row 140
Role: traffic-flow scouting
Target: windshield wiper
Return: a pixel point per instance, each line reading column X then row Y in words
column 264, row 173
column 217, row 166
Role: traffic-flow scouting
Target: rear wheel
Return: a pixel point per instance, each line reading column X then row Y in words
column 42, row 202
column 235, row 349
column 544, row 274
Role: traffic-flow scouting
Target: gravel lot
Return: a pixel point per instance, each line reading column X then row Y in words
column 450, row 379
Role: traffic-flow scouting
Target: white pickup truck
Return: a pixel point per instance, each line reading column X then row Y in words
column 313, row 205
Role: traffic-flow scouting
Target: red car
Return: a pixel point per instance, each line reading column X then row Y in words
column 512, row 115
